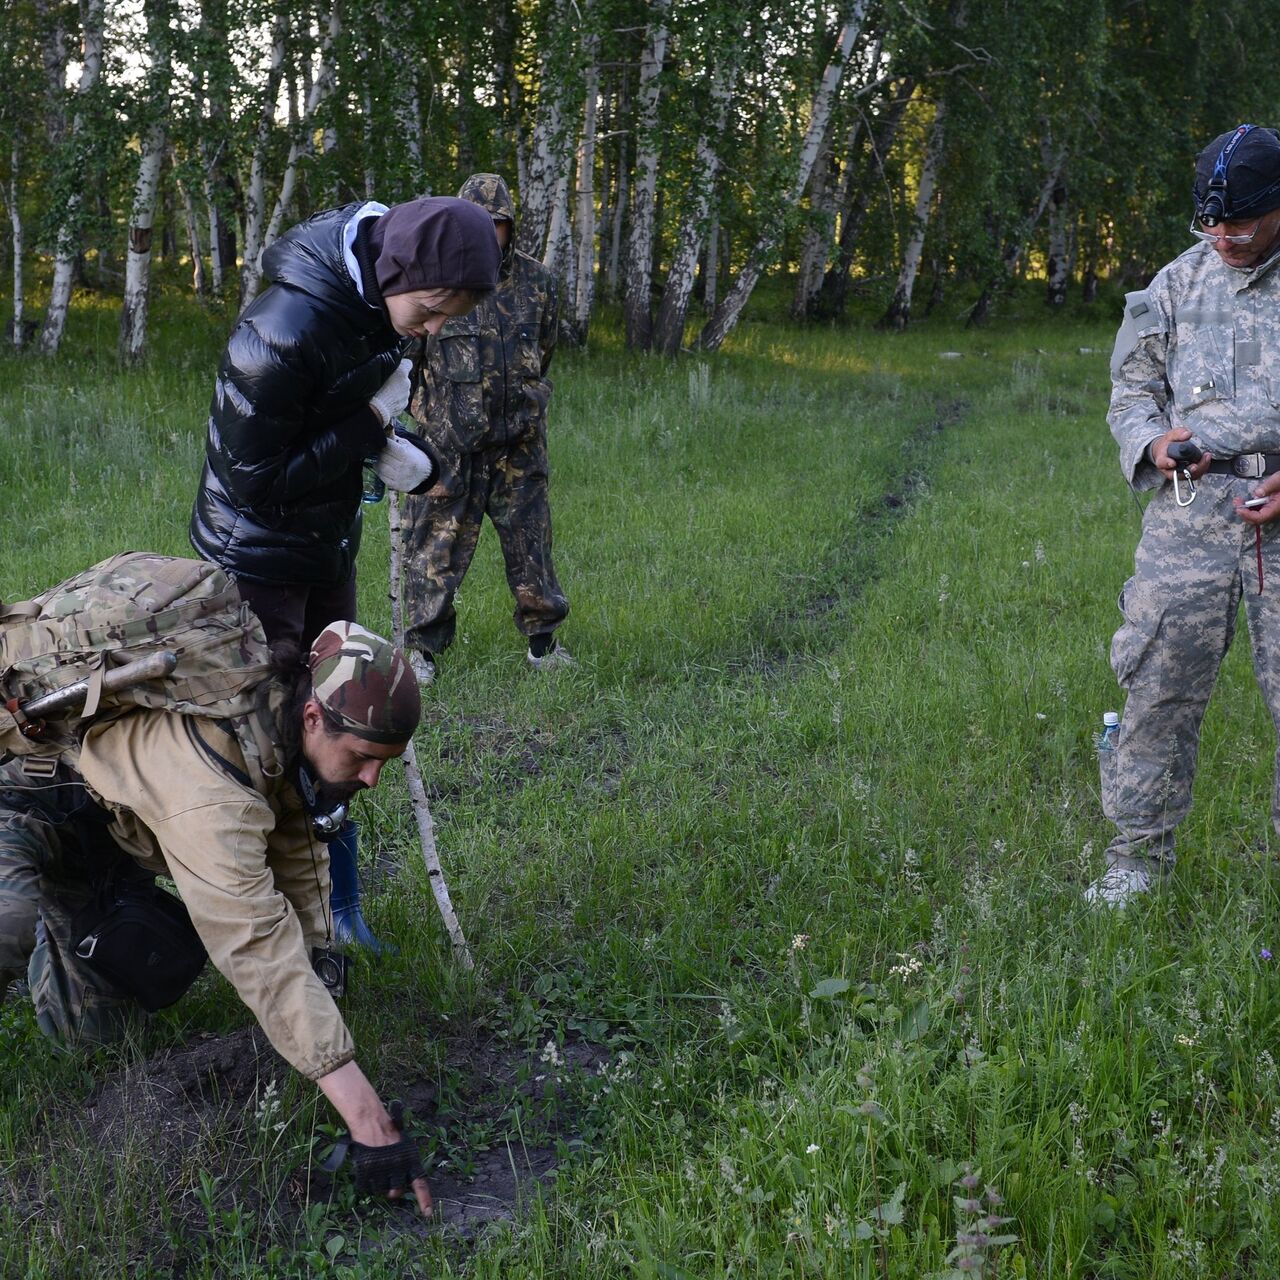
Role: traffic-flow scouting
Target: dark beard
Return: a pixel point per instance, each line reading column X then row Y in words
column 320, row 796
column 331, row 794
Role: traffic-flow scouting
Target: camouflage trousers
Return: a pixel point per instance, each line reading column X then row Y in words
column 54, row 852
column 509, row 484
column 1194, row 566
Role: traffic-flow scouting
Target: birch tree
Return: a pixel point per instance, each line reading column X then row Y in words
column 585, row 202
column 73, row 166
column 255, row 191
column 727, row 313
column 299, row 142
column 827, row 188
column 153, row 102
column 636, row 306
column 898, row 315
column 668, row 336
column 542, row 193
column 21, row 58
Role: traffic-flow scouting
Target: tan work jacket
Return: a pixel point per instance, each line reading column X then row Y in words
column 243, row 858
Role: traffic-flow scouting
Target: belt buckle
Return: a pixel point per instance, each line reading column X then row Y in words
column 1249, row 466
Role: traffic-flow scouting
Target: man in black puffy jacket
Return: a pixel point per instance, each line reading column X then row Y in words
column 308, row 391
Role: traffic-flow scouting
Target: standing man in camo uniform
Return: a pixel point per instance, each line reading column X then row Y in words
column 480, row 399
column 1197, row 359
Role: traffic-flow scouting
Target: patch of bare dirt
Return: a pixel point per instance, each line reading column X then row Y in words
column 496, row 1122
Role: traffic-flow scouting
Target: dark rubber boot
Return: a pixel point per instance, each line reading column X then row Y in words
column 349, row 924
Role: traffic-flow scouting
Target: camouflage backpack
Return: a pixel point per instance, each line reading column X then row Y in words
column 129, row 607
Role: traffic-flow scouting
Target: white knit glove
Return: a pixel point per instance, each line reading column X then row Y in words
column 405, row 465
column 392, row 398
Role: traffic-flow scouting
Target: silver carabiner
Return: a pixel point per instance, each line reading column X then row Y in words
column 1191, row 488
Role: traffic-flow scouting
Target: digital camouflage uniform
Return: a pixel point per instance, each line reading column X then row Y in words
column 1200, row 349
column 480, row 398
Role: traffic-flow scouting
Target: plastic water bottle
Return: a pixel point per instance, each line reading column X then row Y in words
column 1110, row 731
column 374, row 488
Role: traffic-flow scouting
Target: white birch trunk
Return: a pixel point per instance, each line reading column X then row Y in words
column 544, row 164
column 826, row 200
column 615, row 230
column 584, row 292
column 406, row 107
column 255, row 193
column 538, row 196
column 521, row 145
column 559, row 257
column 319, row 91
column 831, row 295
column 899, row 314
column 413, row 775
column 1058, row 267
column 217, row 268
column 711, row 264
column 192, row 221
column 68, row 239
column 637, row 312
column 19, row 245
column 726, row 315
column 137, row 272
column 668, row 334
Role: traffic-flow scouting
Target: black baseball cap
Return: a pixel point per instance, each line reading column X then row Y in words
column 1238, row 175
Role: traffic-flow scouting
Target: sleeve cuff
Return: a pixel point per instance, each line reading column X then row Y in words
column 366, row 432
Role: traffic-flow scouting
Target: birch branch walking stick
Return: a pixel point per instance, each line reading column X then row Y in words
column 417, row 792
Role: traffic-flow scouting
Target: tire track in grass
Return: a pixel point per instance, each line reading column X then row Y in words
column 509, row 759
column 860, row 560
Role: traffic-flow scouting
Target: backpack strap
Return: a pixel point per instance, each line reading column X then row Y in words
column 97, row 666
column 19, row 609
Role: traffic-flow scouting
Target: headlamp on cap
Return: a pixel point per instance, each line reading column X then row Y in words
column 1227, row 192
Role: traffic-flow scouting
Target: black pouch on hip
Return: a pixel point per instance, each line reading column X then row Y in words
column 141, row 940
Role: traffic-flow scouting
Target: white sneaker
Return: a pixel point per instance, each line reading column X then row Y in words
column 1117, row 886
column 556, row 656
column 423, row 666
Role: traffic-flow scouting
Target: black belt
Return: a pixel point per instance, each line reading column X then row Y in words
column 1247, row 466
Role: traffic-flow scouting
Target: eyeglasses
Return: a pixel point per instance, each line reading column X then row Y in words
column 1211, row 236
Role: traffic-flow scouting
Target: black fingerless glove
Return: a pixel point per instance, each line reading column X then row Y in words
column 378, row 1170
column 382, row 1169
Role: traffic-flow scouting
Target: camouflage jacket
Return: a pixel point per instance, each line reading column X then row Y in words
column 483, row 380
column 1198, row 348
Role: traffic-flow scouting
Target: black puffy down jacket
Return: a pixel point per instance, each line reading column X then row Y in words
column 290, row 423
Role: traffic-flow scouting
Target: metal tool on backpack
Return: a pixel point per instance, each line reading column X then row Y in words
column 31, row 714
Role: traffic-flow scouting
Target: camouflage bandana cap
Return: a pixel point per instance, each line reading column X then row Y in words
column 364, row 683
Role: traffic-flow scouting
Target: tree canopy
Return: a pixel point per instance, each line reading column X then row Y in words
column 664, row 153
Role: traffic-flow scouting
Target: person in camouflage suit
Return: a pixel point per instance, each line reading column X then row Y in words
column 225, row 808
column 481, row 393
column 1195, row 360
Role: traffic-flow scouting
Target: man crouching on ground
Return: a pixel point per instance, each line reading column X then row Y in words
column 233, row 810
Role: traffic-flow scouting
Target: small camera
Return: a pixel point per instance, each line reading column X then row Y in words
column 1186, row 453
column 331, row 968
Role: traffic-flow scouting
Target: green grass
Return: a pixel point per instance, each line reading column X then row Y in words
column 802, row 837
